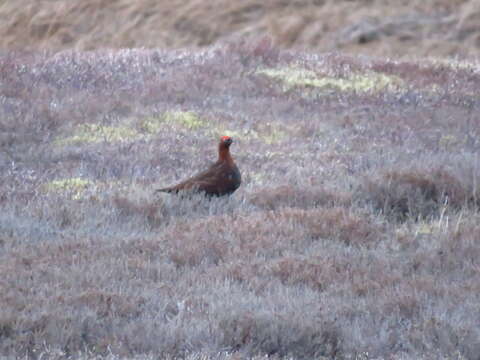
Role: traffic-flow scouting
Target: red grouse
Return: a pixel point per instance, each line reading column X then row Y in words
column 221, row 178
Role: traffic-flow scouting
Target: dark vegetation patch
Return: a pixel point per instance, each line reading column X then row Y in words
column 418, row 193
column 355, row 229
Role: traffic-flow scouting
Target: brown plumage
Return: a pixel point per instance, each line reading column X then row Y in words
column 221, row 178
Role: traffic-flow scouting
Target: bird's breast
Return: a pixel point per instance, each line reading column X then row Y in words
column 234, row 177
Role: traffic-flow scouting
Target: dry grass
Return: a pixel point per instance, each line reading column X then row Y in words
column 390, row 28
column 353, row 236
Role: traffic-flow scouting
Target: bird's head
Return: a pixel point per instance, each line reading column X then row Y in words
column 226, row 141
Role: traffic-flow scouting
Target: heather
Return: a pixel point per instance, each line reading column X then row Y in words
column 354, row 235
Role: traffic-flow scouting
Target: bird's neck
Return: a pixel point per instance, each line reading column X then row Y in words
column 224, row 155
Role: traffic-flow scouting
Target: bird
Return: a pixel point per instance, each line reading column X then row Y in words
column 220, row 179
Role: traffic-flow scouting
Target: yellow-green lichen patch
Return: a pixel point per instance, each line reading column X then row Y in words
column 424, row 228
column 73, row 186
column 151, row 125
column 454, row 64
column 185, row 119
column 274, row 136
column 448, row 142
column 94, row 133
column 292, row 77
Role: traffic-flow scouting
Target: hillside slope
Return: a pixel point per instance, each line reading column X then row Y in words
column 388, row 28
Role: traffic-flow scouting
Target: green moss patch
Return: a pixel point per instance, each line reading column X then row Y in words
column 449, row 142
column 292, row 77
column 73, row 186
column 94, row 133
column 151, row 125
column 186, row 119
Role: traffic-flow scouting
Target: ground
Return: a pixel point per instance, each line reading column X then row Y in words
column 354, row 235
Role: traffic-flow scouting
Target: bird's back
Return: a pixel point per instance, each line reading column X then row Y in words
column 221, row 178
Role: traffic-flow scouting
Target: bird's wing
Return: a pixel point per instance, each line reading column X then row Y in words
column 199, row 181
